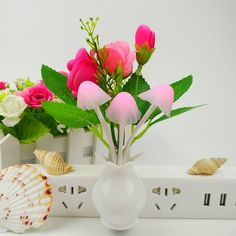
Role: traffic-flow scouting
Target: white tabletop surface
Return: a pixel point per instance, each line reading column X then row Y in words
column 66, row 226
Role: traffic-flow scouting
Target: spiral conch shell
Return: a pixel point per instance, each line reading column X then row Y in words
column 207, row 166
column 53, row 162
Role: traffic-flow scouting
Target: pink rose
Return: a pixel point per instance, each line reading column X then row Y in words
column 37, row 94
column 119, row 55
column 144, row 44
column 144, row 35
column 3, row 85
column 82, row 68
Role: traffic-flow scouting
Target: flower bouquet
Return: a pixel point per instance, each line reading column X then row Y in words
column 104, row 93
column 21, row 112
column 24, row 123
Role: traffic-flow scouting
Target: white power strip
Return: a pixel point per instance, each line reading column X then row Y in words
column 171, row 192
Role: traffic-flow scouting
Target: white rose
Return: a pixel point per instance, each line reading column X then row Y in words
column 11, row 109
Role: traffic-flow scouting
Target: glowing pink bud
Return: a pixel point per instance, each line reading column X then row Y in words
column 90, row 96
column 161, row 96
column 123, row 109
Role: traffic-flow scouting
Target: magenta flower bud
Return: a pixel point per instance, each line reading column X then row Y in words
column 144, row 35
column 144, row 44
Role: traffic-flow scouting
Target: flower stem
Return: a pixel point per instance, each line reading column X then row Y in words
column 139, row 125
column 121, row 143
column 139, row 69
column 113, row 134
column 107, row 132
column 143, row 132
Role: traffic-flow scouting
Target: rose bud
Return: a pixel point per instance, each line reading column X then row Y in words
column 144, row 44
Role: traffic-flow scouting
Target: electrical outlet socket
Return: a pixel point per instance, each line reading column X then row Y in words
column 171, row 192
column 72, row 192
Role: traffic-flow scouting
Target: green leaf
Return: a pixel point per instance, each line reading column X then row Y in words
column 8, row 130
column 69, row 115
column 181, row 86
column 175, row 112
column 29, row 129
column 50, row 122
column 136, row 85
column 57, row 83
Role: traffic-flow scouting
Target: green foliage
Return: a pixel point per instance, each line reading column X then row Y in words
column 8, row 130
column 174, row 113
column 136, row 85
column 70, row 115
column 57, row 83
column 47, row 120
column 181, row 86
column 29, row 129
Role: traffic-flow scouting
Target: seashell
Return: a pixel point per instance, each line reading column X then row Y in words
column 207, row 166
column 53, row 162
column 25, row 198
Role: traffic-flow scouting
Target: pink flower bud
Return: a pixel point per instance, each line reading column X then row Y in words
column 144, row 44
column 144, row 35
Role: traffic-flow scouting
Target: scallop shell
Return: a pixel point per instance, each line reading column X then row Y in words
column 53, row 162
column 207, row 166
column 25, row 198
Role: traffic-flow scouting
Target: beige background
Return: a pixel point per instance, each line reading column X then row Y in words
column 192, row 37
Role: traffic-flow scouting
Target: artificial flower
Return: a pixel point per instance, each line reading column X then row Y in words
column 11, row 109
column 3, row 85
column 37, row 94
column 118, row 55
column 82, row 68
column 144, row 44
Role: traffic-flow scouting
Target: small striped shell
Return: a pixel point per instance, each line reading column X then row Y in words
column 53, row 162
column 207, row 166
column 25, row 198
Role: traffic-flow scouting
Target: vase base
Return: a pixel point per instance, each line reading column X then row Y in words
column 118, row 227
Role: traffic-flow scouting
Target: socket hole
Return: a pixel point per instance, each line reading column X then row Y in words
column 72, row 190
column 157, row 206
column 173, row 206
column 81, row 189
column 207, row 198
column 166, row 191
column 176, row 191
column 223, row 199
column 64, row 204
column 156, row 190
column 62, row 189
column 80, row 205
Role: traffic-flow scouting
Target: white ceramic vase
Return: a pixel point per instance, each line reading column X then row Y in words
column 119, row 196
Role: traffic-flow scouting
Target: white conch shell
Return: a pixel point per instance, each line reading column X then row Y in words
column 53, row 162
column 207, row 166
column 25, row 198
